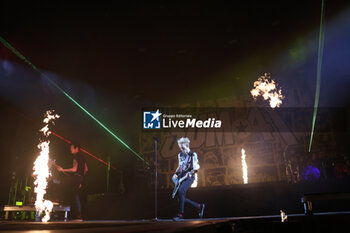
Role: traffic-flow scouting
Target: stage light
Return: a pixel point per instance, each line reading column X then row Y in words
column 19, row 203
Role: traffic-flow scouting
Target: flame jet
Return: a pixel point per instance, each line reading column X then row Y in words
column 42, row 170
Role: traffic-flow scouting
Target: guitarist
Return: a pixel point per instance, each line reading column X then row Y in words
column 188, row 166
column 76, row 176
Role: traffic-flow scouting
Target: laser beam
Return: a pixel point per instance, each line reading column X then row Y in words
column 319, row 71
column 85, row 151
column 16, row 52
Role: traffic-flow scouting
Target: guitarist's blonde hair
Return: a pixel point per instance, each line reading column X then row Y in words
column 183, row 140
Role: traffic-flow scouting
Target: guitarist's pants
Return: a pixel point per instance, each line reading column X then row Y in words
column 76, row 181
column 182, row 194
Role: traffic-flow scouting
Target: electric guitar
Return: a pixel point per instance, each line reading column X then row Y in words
column 179, row 181
column 52, row 162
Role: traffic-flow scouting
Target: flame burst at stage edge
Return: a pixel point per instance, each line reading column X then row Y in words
column 244, row 167
column 42, row 171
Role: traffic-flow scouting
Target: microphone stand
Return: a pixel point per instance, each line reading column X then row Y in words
column 156, row 179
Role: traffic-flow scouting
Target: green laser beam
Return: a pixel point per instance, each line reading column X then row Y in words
column 10, row 47
column 319, row 71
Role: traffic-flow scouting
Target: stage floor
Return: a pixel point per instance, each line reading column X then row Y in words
column 319, row 222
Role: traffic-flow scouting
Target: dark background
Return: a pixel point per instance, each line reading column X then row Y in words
column 116, row 59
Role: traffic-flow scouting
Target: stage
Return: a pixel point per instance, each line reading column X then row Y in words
column 318, row 222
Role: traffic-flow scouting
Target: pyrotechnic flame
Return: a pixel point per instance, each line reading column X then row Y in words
column 45, row 130
column 42, row 171
column 244, row 167
column 266, row 87
column 50, row 117
column 284, row 217
column 195, row 182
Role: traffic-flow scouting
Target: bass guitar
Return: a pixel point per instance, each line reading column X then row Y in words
column 179, row 181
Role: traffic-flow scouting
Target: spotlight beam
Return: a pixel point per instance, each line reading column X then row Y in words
column 319, row 70
column 12, row 49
